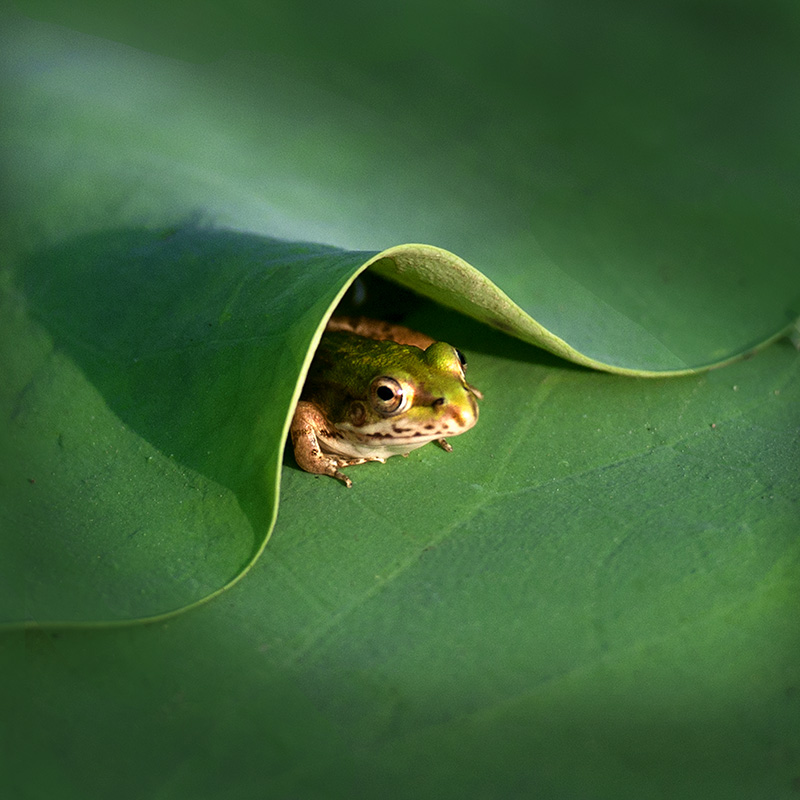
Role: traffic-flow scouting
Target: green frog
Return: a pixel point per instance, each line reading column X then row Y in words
column 376, row 390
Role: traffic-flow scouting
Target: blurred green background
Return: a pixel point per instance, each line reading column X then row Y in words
column 626, row 172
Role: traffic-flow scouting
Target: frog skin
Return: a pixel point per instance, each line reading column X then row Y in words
column 376, row 390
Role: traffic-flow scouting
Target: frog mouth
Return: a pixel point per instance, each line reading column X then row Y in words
column 387, row 436
column 366, row 442
column 401, row 434
column 451, row 423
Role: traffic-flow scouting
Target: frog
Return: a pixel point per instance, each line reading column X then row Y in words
column 377, row 389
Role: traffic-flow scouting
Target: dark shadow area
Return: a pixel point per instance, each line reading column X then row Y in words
column 374, row 296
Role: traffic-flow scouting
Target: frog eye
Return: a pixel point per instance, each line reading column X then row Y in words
column 388, row 397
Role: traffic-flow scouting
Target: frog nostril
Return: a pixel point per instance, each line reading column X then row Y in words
column 438, row 402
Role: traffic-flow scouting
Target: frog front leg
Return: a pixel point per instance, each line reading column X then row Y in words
column 308, row 426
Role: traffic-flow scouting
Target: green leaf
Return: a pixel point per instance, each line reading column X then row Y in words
column 594, row 595
column 145, row 425
column 599, row 601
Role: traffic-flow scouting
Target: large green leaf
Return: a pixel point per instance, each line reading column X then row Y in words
column 145, row 426
column 599, row 603
column 594, row 595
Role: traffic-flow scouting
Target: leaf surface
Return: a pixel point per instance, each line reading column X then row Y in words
column 594, row 595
